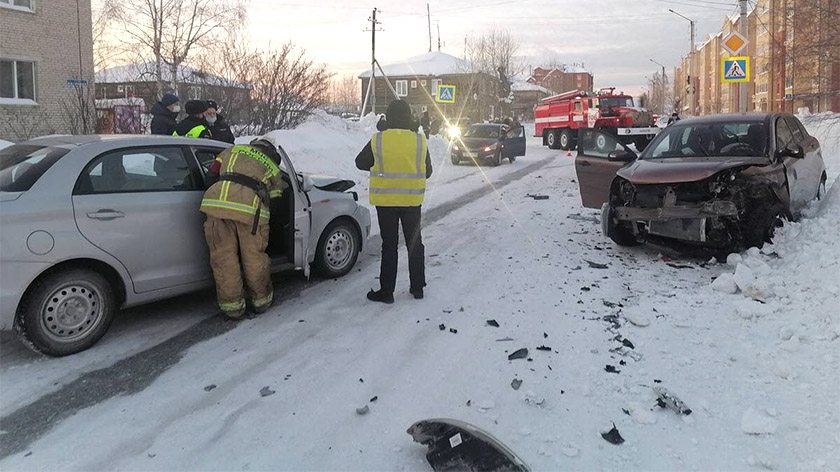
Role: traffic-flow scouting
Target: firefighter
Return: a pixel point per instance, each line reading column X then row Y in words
column 237, row 227
column 194, row 126
column 399, row 163
column 219, row 128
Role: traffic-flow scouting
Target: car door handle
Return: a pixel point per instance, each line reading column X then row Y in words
column 106, row 215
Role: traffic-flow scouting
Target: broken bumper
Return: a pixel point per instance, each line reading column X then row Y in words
column 683, row 222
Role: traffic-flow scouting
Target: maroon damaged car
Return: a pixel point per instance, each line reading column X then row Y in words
column 722, row 182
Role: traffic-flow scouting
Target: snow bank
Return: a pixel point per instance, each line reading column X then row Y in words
column 826, row 128
column 4, row 144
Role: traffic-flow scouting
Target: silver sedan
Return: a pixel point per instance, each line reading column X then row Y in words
column 94, row 223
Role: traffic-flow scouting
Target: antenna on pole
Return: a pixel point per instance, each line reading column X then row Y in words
column 429, row 20
column 438, row 31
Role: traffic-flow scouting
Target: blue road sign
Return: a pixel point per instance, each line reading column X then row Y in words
column 734, row 69
column 446, row 94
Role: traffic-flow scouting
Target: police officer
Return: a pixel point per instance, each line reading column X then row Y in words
column 399, row 163
column 236, row 229
column 194, row 126
column 219, row 128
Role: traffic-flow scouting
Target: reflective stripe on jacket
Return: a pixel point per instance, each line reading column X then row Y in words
column 194, row 132
column 398, row 175
column 233, row 201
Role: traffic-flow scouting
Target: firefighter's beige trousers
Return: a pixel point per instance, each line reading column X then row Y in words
column 231, row 242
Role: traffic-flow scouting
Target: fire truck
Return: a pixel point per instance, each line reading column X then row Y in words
column 558, row 118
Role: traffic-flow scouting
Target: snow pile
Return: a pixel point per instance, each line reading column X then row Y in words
column 5, row 144
column 826, row 128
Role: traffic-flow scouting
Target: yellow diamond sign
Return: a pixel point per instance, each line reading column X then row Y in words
column 734, row 42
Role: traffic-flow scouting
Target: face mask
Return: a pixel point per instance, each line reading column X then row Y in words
column 210, row 119
column 175, row 109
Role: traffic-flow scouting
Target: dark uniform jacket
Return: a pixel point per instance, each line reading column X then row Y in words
column 191, row 122
column 163, row 120
column 221, row 130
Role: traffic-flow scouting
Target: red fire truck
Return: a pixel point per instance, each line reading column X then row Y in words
column 558, row 118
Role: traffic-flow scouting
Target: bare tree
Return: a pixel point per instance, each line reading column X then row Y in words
column 493, row 53
column 79, row 110
column 166, row 32
column 344, row 95
column 659, row 94
column 25, row 123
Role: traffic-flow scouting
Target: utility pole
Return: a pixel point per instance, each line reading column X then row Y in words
column 691, row 60
column 744, row 86
column 438, row 29
column 371, row 91
column 429, row 20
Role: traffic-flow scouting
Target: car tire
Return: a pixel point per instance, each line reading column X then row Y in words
column 512, row 159
column 455, row 160
column 338, row 249
column 66, row 312
column 553, row 140
column 497, row 159
column 766, row 221
column 620, row 233
column 566, row 140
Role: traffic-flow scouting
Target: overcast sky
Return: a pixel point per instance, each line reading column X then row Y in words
column 615, row 39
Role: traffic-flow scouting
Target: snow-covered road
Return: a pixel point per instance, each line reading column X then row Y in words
column 492, row 253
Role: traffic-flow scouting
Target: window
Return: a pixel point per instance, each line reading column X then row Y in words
column 423, row 83
column 17, row 80
column 402, row 88
column 794, row 129
column 435, row 84
column 194, row 93
column 578, row 106
column 783, row 134
column 18, row 4
column 21, row 165
column 413, row 84
column 138, row 170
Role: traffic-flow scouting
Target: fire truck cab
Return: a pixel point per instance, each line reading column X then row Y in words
column 558, row 118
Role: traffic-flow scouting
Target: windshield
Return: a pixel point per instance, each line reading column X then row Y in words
column 709, row 139
column 22, row 165
column 483, row 131
column 616, row 102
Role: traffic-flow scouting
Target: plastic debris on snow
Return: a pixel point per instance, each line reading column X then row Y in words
column 266, row 391
column 666, row 399
column 516, row 383
column 363, row 410
column 613, row 436
column 518, row 354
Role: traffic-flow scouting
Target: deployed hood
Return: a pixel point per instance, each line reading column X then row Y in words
column 330, row 183
column 687, row 169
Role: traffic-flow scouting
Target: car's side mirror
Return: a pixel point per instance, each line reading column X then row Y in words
column 307, row 185
column 793, row 150
column 621, row 156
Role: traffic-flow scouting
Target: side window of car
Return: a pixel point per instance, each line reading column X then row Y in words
column 597, row 144
column 515, row 132
column 794, row 129
column 206, row 156
column 783, row 134
column 154, row 169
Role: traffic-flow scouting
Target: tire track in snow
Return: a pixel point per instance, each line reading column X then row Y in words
column 132, row 374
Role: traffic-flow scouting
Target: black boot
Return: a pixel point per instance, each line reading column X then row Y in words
column 381, row 296
column 417, row 292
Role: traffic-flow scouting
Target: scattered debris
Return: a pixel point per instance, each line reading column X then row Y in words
column 447, row 311
column 657, row 381
column 680, row 266
column 486, row 405
column 544, row 348
column 537, row 197
column 469, row 402
column 374, row 399
column 613, row 436
column 442, row 327
column 669, row 400
column 266, row 391
column 453, row 330
column 362, row 380
column 585, row 289
column 545, row 335
column 516, row 383
column 151, row 456
column 627, row 343
column 611, row 369
column 622, row 362
column 363, row 410
column 461, row 309
column 504, row 339
column 493, row 323
column 28, row 454
column 209, row 387
column 519, row 354
column 596, row 265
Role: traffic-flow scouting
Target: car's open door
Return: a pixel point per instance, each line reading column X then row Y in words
column 595, row 170
column 302, row 218
column 514, row 142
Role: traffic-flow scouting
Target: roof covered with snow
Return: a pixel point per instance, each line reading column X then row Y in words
column 145, row 72
column 433, row 63
column 522, row 86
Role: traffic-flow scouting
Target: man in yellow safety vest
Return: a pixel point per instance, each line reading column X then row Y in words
column 399, row 163
column 194, row 126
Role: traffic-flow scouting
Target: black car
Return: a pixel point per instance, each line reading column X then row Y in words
column 489, row 143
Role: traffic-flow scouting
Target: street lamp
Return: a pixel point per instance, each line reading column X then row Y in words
column 664, row 83
column 692, row 78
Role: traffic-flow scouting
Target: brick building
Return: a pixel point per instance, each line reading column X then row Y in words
column 416, row 81
column 525, row 96
column 563, row 79
column 46, row 52
column 794, row 61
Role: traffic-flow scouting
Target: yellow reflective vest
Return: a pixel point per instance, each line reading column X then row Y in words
column 232, row 201
column 194, row 132
column 398, row 175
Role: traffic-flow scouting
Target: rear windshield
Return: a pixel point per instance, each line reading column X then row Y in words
column 731, row 138
column 22, row 165
column 483, row 132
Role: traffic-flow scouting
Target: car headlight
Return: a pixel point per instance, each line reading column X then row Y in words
column 455, row 147
column 454, row 131
column 491, row 147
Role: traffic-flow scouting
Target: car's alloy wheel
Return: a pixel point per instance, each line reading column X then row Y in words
column 338, row 249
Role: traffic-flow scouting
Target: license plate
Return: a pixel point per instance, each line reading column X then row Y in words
column 471, row 154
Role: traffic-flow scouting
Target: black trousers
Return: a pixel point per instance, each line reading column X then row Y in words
column 389, row 227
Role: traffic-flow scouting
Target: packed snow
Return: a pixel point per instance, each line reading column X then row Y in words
column 432, row 63
column 4, row 144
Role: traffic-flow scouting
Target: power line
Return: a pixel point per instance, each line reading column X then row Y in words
column 671, row 2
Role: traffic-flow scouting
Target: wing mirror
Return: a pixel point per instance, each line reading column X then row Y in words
column 621, row 156
column 793, row 150
column 307, row 184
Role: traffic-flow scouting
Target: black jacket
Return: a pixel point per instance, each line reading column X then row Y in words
column 163, row 120
column 191, row 122
column 221, row 130
column 365, row 160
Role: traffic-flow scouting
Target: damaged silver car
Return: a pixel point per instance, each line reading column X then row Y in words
column 720, row 182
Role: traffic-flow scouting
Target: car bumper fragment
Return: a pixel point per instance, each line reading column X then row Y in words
column 713, row 209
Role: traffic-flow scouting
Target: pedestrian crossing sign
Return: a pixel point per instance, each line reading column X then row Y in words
column 734, row 69
column 446, row 94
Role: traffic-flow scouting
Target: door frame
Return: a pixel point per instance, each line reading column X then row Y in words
column 592, row 171
column 302, row 216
